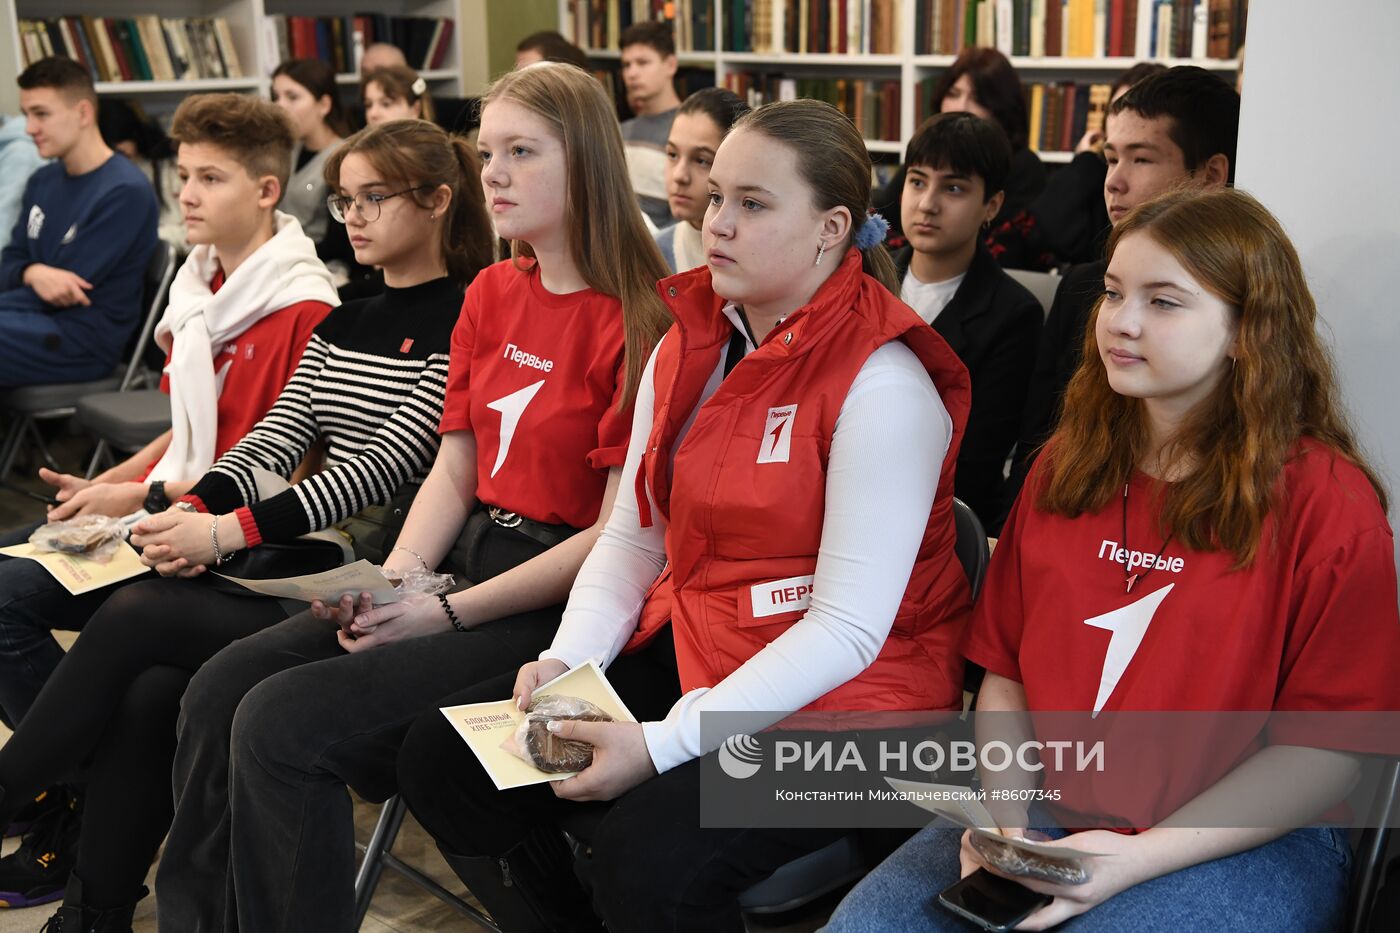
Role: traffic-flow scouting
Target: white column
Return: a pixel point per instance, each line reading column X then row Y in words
column 1319, row 137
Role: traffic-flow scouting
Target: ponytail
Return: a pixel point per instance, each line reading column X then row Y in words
column 468, row 244
column 879, row 265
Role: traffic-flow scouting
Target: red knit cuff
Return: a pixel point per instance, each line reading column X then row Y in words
column 251, row 536
column 195, row 501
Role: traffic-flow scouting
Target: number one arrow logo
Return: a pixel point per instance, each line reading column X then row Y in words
column 512, row 409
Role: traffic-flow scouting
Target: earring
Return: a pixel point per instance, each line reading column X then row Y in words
column 821, row 251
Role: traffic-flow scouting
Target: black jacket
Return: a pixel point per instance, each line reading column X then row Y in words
column 1061, row 345
column 993, row 325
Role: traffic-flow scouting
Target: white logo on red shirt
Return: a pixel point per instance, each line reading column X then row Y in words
column 777, row 435
column 512, row 409
column 524, row 358
column 789, row 595
column 222, row 374
column 1128, row 625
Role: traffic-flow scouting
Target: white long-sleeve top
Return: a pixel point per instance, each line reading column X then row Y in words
column 891, row 436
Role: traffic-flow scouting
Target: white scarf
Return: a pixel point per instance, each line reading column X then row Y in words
column 281, row 272
column 690, row 251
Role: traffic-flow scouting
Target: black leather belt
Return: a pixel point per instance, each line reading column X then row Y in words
column 548, row 535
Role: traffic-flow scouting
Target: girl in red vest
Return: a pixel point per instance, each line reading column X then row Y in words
column 1202, row 534
column 789, row 515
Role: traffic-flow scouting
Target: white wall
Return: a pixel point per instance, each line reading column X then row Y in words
column 1320, row 147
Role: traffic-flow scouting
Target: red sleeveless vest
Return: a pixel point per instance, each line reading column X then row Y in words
column 745, row 514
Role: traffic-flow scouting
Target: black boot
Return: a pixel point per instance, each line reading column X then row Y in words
column 76, row 917
column 530, row 889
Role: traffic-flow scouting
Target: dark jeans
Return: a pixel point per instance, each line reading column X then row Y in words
column 32, row 605
column 654, row 867
column 273, row 729
column 112, row 701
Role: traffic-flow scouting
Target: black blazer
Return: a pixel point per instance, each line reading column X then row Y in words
column 1058, row 357
column 993, row 325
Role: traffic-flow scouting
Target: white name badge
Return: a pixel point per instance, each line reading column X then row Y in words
column 791, row 595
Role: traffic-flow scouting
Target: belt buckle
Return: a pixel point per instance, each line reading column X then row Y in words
column 503, row 518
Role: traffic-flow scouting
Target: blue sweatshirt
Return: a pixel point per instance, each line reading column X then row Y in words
column 101, row 225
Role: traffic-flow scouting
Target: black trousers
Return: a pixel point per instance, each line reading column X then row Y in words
column 274, row 728
column 112, row 703
column 654, row 867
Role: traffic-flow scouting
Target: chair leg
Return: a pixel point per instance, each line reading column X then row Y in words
column 386, row 830
column 44, row 451
column 378, row 857
column 10, row 449
column 99, row 454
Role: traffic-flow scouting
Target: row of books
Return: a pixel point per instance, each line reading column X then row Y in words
column 844, row 27
column 817, row 26
column 1083, row 28
column 1060, row 112
column 599, row 24
column 139, row 48
column 872, row 104
column 341, row 40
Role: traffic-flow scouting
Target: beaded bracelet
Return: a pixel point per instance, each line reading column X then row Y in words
column 451, row 616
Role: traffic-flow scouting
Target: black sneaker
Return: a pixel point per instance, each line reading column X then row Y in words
column 37, row 871
column 30, row 813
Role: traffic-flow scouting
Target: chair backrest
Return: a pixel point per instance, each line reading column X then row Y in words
column 160, row 271
column 1040, row 284
column 1371, row 848
column 971, row 545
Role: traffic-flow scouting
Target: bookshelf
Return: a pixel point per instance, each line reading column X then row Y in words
column 250, row 26
column 904, row 66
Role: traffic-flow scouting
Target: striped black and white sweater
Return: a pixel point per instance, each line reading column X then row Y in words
column 370, row 384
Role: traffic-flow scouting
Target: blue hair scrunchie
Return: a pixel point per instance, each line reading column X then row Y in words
column 872, row 232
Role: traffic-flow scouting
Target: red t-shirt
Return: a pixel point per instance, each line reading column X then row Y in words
column 252, row 369
column 537, row 377
column 1311, row 625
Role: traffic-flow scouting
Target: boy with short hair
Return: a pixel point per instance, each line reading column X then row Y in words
column 1177, row 128
column 242, row 308
column 956, row 166
column 73, row 271
column 648, row 71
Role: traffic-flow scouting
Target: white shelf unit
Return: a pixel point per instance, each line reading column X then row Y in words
column 905, row 66
column 247, row 20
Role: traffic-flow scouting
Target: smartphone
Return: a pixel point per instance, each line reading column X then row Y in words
column 991, row 901
column 11, row 487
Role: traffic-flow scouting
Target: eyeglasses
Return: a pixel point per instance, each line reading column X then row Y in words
column 368, row 203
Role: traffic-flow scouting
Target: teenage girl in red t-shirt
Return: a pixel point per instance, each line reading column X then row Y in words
column 1203, row 534
column 546, row 359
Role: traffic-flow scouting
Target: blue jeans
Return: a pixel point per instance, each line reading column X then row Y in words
column 32, row 605
column 1295, row 883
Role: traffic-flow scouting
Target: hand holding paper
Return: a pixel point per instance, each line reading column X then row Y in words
column 328, row 586
column 486, row 726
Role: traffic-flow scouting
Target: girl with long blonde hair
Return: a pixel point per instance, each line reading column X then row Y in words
column 545, row 362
